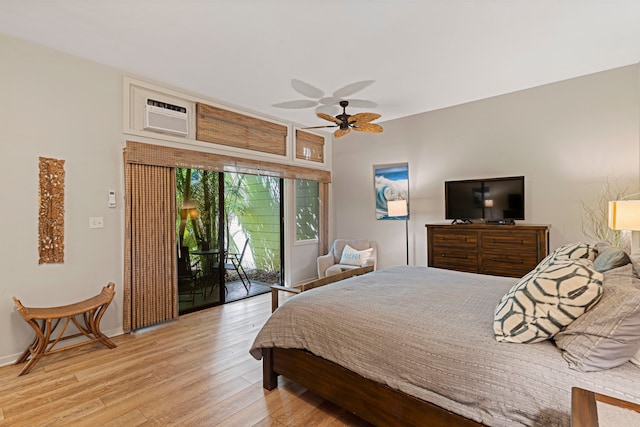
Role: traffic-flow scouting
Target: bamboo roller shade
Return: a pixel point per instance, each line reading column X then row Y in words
column 140, row 153
column 237, row 130
column 309, row 146
column 150, row 282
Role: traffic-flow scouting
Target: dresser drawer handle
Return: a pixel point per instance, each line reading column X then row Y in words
column 507, row 242
column 509, row 261
column 443, row 238
column 443, row 255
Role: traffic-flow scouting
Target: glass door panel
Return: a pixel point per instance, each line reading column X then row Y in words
column 200, row 272
column 253, row 206
column 242, row 260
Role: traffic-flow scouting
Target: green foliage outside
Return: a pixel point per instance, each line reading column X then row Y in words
column 252, row 202
column 307, row 210
column 260, row 220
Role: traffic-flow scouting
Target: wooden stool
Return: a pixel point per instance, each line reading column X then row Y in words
column 85, row 315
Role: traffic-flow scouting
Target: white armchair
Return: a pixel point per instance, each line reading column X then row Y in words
column 330, row 263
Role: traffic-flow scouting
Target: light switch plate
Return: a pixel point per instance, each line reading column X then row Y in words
column 96, row 222
column 112, row 198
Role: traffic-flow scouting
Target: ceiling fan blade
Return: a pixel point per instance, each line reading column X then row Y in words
column 362, row 103
column 299, row 103
column 349, row 90
column 319, row 127
column 362, row 118
column 368, row 127
column 331, row 110
column 306, row 89
column 330, row 100
column 341, row 132
column 330, row 118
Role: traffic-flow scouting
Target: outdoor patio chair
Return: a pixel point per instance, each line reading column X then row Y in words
column 233, row 261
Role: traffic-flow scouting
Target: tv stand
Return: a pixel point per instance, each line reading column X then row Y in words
column 500, row 222
column 510, row 250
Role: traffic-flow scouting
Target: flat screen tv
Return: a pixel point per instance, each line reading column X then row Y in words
column 494, row 200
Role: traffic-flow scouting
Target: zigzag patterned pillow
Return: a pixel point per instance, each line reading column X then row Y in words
column 576, row 251
column 546, row 300
column 570, row 251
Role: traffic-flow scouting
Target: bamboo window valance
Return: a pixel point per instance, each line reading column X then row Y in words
column 309, row 146
column 225, row 127
column 149, row 154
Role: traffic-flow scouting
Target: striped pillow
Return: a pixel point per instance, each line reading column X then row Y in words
column 546, row 300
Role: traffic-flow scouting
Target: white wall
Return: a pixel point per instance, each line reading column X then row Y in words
column 58, row 106
column 566, row 138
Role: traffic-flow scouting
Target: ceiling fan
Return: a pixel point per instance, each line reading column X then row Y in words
column 327, row 104
column 360, row 122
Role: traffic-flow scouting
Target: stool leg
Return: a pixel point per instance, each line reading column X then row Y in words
column 91, row 327
column 95, row 327
column 28, row 351
column 39, row 346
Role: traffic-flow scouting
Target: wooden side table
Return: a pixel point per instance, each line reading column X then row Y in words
column 589, row 409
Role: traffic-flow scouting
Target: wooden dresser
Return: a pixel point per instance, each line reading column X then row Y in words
column 499, row 250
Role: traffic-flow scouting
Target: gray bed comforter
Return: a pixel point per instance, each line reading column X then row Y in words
column 428, row 332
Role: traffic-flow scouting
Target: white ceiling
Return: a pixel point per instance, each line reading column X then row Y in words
column 422, row 55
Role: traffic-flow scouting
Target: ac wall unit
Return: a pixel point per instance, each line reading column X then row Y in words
column 164, row 117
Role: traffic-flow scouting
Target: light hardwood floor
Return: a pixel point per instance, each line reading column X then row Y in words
column 195, row 371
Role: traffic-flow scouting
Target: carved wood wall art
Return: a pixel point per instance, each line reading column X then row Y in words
column 51, row 211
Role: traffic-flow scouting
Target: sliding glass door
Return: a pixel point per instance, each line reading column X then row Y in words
column 230, row 236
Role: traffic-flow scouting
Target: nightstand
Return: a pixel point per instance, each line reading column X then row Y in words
column 589, row 409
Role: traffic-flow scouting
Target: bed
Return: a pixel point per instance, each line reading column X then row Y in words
column 415, row 346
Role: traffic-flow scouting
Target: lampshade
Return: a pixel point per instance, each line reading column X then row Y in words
column 624, row 215
column 397, row 208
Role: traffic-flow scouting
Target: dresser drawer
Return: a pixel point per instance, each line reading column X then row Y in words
column 511, row 250
column 503, row 263
column 520, row 242
column 453, row 259
column 456, row 239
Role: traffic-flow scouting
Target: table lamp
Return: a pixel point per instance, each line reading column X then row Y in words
column 624, row 215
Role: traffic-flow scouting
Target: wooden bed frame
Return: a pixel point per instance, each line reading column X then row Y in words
column 371, row 401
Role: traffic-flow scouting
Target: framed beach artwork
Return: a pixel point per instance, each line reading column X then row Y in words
column 391, row 185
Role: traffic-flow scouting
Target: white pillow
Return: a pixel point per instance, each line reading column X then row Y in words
column 636, row 359
column 352, row 257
